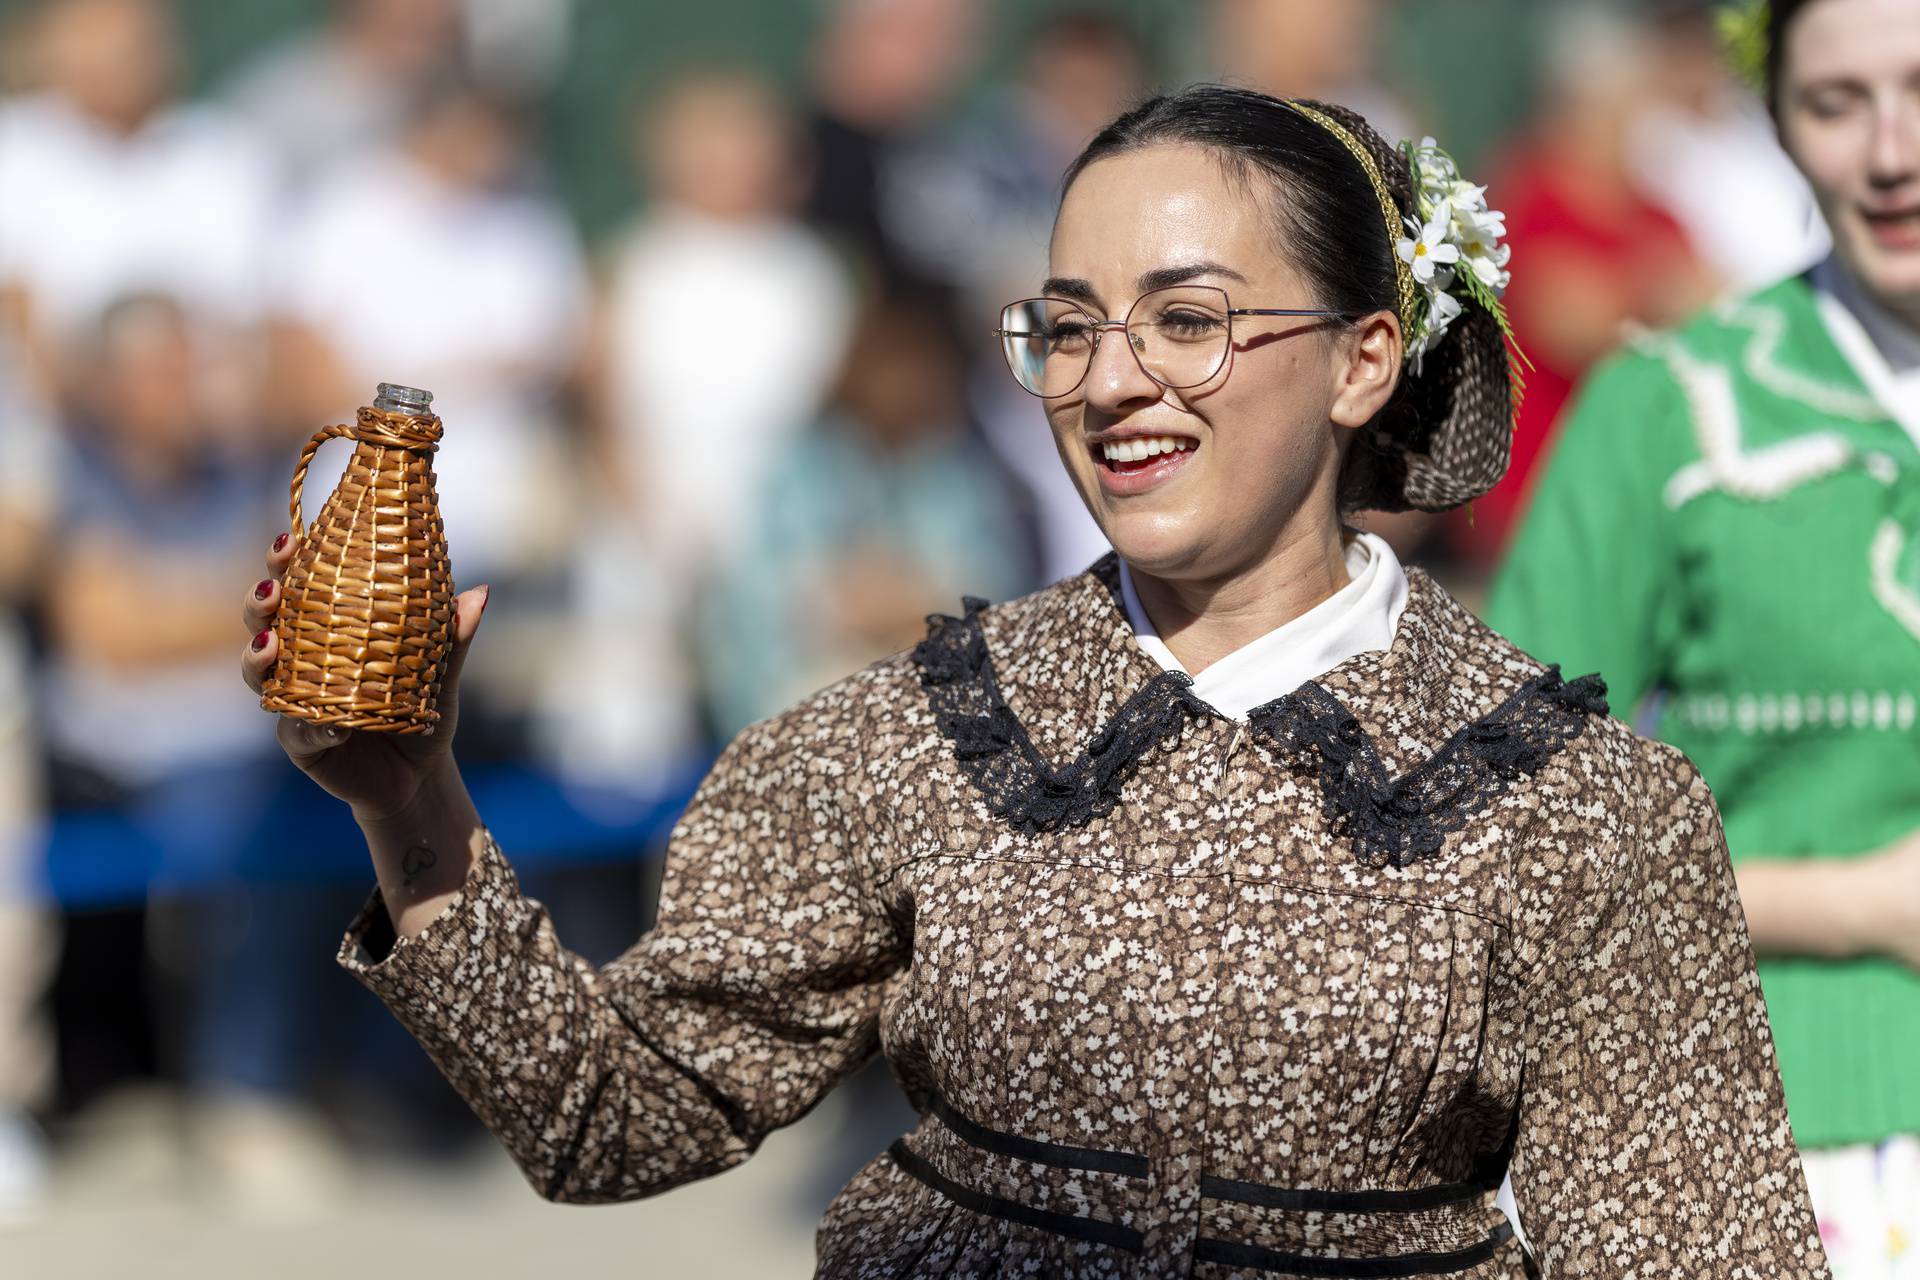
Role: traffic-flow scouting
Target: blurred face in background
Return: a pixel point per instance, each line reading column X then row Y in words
column 1848, row 104
column 142, row 385
column 1293, row 48
column 465, row 139
column 902, row 380
column 115, row 60
column 725, row 146
column 887, row 63
column 1260, row 442
column 1085, row 71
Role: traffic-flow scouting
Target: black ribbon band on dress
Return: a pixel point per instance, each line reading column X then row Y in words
column 1057, row 1155
column 1098, row 1230
column 1257, row 1258
column 1128, row 1165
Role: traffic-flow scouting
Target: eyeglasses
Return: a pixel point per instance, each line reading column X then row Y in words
column 1179, row 336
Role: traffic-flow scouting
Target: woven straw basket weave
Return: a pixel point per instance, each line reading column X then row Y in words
column 366, row 613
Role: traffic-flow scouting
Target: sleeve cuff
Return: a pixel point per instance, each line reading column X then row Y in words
column 370, row 951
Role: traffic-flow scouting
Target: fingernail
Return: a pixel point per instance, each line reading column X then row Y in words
column 280, row 542
column 260, row 641
column 486, row 594
column 263, row 589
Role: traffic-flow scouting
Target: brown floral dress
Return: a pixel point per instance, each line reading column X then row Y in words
column 1175, row 995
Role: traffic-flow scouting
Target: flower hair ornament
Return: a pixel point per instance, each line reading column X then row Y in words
column 1448, row 252
column 1447, row 439
column 1453, row 251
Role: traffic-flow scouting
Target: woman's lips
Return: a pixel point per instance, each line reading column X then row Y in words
column 1127, row 478
column 1900, row 231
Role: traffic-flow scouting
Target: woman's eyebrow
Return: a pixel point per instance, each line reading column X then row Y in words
column 1071, row 288
column 1167, row 276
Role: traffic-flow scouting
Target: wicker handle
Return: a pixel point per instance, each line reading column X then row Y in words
column 320, row 437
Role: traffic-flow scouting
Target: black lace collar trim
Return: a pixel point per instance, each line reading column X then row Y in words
column 1400, row 821
column 993, row 747
column 1392, row 821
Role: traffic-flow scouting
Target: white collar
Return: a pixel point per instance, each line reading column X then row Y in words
column 1881, row 349
column 1359, row 616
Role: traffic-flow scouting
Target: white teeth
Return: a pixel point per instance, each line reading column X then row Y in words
column 1141, row 448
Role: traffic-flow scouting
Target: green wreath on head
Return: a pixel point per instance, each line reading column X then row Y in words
column 1743, row 32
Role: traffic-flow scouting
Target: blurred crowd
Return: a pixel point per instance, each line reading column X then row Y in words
column 709, row 461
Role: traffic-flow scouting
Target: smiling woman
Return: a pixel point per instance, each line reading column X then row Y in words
column 1238, row 906
column 1731, row 517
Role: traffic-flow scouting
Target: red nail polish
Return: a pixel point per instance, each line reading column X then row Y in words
column 260, row 641
column 264, row 589
column 280, row 542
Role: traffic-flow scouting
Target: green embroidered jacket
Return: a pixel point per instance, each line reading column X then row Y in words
column 1727, row 527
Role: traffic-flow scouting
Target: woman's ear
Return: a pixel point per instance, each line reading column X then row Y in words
column 1366, row 369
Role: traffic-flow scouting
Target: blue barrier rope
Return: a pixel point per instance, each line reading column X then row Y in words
column 302, row 834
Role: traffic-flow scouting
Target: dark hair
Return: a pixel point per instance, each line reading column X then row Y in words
column 1780, row 16
column 1335, row 232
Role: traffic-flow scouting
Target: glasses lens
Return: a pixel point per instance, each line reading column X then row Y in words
column 1047, row 344
column 1180, row 334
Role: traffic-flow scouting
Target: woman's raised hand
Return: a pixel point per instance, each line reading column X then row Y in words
column 377, row 774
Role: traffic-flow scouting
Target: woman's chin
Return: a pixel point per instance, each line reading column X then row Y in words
column 1159, row 543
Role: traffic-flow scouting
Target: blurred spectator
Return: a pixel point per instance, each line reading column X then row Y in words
column 112, row 187
column 29, row 937
column 975, row 200
column 325, row 95
column 885, row 510
column 1321, row 49
column 724, row 321
column 434, row 263
column 881, row 70
column 975, row 205
column 1592, row 253
column 142, row 721
column 725, row 317
column 1705, row 149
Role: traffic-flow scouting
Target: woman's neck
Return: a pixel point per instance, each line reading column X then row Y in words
column 1894, row 331
column 1202, row 620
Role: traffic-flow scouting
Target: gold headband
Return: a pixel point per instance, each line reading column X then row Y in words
column 1408, row 309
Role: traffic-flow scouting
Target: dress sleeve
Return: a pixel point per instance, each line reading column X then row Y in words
column 1653, row 1137
column 758, row 989
column 1590, row 580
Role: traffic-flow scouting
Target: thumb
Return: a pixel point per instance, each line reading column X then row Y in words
column 467, row 608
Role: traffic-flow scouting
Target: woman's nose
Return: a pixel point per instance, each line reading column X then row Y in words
column 1115, row 378
column 1895, row 159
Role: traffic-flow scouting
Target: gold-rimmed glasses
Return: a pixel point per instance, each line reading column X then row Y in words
column 1179, row 335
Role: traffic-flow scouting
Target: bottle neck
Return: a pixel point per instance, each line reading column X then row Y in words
column 391, row 397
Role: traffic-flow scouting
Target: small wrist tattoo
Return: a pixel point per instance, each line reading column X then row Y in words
column 416, row 859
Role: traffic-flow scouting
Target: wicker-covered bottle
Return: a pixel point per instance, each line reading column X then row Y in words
column 366, row 613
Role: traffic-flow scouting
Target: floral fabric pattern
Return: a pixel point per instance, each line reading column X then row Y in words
column 1191, row 1035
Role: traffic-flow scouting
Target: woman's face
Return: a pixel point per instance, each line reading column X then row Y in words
column 1257, row 445
column 1849, row 107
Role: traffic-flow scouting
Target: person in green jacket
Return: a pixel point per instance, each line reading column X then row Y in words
column 1729, row 530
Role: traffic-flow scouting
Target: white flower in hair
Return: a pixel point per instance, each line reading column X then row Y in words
column 1431, row 247
column 1454, row 250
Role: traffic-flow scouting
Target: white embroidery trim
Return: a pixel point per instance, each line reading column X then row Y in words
column 1767, row 473
column 1771, row 712
column 1769, row 327
column 1758, row 475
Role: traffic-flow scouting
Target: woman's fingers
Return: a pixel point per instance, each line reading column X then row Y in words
column 467, row 608
column 263, row 597
column 257, row 658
